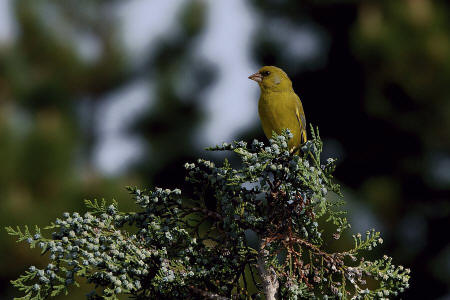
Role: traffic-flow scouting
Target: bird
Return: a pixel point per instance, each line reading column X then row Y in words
column 279, row 107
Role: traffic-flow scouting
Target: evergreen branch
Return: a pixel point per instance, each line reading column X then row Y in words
column 175, row 246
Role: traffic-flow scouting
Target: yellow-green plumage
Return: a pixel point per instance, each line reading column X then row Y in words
column 279, row 107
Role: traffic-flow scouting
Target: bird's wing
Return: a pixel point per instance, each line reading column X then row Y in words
column 301, row 119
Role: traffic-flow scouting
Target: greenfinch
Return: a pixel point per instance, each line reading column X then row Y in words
column 279, row 107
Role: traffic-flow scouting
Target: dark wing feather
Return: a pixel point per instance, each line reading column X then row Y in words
column 301, row 119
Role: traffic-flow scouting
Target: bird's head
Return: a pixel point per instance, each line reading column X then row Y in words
column 270, row 78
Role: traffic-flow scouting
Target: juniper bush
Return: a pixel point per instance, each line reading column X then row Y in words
column 176, row 247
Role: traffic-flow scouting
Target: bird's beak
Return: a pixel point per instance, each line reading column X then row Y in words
column 256, row 77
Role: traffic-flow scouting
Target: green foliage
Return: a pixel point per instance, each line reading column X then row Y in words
column 265, row 217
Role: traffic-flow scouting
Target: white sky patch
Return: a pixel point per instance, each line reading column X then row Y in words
column 143, row 21
column 231, row 104
column 116, row 148
column 304, row 46
column 116, row 153
column 140, row 22
column 8, row 28
column 88, row 46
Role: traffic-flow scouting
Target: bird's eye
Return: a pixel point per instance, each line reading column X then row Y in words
column 265, row 73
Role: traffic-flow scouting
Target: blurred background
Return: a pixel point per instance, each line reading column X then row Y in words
column 98, row 95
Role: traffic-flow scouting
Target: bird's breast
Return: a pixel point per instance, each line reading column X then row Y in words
column 277, row 112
